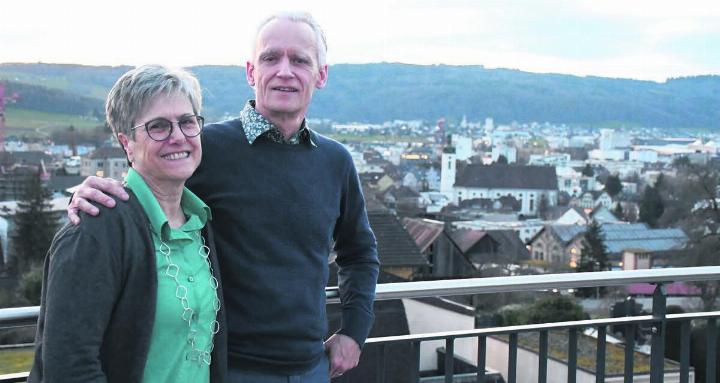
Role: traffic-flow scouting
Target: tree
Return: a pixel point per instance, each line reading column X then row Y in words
column 30, row 286
column 501, row 160
column 588, row 171
column 35, row 225
column 618, row 211
column 593, row 256
column 651, row 206
column 613, row 186
column 693, row 205
column 543, row 206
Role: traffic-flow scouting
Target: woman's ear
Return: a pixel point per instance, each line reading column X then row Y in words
column 125, row 143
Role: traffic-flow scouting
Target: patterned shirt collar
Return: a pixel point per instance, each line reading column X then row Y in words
column 255, row 125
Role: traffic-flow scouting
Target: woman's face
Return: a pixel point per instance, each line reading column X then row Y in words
column 173, row 160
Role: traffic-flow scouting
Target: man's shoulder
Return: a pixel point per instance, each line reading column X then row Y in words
column 223, row 127
column 223, row 132
column 330, row 145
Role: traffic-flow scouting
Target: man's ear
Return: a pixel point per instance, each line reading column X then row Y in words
column 322, row 77
column 125, row 143
column 249, row 69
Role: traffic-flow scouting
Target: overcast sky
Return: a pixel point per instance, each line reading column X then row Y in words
column 641, row 39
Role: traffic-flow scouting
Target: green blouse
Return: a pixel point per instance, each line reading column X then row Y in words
column 179, row 335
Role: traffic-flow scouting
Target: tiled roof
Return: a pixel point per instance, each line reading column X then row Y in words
column 24, row 158
column 510, row 244
column 466, row 238
column 395, row 245
column 567, row 232
column 500, row 176
column 402, row 192
column 423, row 231
column 555, row 212
column 620, row 237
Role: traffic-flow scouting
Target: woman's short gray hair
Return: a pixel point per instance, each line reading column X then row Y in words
column 135, row 89
column 302, row 17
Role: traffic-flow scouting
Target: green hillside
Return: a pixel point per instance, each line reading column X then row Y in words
column 375, row 93
column 22, row 120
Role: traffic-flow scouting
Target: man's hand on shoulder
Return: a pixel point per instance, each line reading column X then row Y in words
column 343, row 353
column 94, row 189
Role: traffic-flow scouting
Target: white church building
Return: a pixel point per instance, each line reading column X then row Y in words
column 527, row 184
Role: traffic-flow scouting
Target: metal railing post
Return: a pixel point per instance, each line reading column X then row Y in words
column 543, row 357
column 482, row 353
column 600, row 355
column 710, row 352
column 572, row 355
column 449, row 359
column 685, row 351
column 657, row 350
column 512, row 358
column 630, row 330
column 415, row 371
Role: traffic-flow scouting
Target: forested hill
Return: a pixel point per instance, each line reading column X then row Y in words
column 380, row 92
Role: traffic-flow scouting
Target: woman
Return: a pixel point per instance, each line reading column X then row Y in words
column 132, row 295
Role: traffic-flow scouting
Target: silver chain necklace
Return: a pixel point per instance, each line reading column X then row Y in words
column 196, row 354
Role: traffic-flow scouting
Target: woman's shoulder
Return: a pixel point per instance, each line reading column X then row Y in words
column 109, row 220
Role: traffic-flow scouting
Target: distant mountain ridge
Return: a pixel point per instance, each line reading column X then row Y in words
column 374, row 93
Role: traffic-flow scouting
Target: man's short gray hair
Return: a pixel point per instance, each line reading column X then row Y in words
column 299, row 17
column 135, row 89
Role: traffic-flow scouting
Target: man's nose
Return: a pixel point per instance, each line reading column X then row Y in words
column 285, row 69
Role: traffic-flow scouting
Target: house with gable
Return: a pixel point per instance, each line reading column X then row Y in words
column 526, row 184
column 399, row 254
column 457, row 252
column 593, row 199
column 562, row 244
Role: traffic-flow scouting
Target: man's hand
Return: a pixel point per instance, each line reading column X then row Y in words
column 94, row 189
column 343, row 353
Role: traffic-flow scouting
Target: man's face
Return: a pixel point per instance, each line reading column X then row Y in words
column 285, row 70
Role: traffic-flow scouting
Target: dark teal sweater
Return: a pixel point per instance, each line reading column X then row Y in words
column 278, row 210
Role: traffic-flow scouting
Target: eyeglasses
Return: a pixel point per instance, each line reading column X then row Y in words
column 160, row 129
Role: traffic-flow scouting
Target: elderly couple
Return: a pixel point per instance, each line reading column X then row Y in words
column 222, row 280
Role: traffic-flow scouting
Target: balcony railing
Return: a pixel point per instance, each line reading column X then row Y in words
column 657, row 321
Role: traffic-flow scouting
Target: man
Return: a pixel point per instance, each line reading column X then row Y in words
column 281, row 197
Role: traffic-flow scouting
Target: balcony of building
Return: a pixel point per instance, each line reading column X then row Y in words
column 575, row 351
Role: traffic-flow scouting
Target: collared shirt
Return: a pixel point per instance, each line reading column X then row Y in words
column 170, row 358
column 255, row 125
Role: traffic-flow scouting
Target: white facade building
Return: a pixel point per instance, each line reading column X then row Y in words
column 526, row 184
column 649, row 156
column 550, row 159
column 463, row 146
column 607, row 155
column 510, row 152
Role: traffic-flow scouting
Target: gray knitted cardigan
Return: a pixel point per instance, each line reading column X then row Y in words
column 98, row 300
